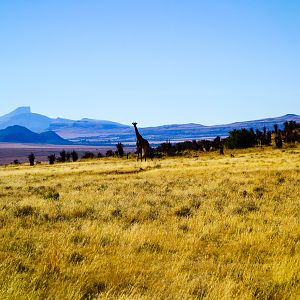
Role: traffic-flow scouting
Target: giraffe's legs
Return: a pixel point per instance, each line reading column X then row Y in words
column 145, row 153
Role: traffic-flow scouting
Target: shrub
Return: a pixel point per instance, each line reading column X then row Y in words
column 109, row 153
column 74, row 155
column 51, row 159
column 240, row 138
column 120, row 150
column 116, row 213
column 88, row 154
column 183, row 212
column 52, row 195
column 76, row 258
column 151, row 247
column 62, row 156
column 31, row 158
column 68, row 156
column 278, row 141
column 24, row 211
column 93, row 290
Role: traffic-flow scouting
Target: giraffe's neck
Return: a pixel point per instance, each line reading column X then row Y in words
column 138, row 136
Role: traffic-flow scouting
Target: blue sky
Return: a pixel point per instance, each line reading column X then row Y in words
column 154, row 62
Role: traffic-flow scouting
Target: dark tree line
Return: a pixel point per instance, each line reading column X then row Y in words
column 74, row 156
column 170, row 149
column 243, row 138
column 63, row 157
column 238, row 138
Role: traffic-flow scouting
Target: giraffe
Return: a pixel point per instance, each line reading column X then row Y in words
column 141, row 144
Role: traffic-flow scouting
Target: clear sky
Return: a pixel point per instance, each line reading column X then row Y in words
column 153, row 61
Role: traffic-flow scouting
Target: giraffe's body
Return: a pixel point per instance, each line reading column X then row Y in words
column 141, row 144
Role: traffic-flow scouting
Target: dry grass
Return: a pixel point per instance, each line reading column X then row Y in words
column 206, row 227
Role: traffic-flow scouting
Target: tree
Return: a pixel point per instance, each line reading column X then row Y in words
column 74, row 155
column 109, row 153
column 221, row 147
column 51, row 159
column 269, row 138
column 217, row 142
column 276, row 128
column 120, row 150
column 31, row 158
column 68, row 156
column 88, row 154
column 62, row 156
column 167, row 148
column 278, row 141
column 240, row 138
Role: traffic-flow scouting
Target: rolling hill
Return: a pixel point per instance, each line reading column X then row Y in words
column 20, row 134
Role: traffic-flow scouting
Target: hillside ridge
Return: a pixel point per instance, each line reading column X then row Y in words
column 104, row 132
column 21, row 134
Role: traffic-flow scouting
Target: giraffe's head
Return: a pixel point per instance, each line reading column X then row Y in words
column 134, row 123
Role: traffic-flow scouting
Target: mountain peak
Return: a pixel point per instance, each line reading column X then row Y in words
column 18, row 111
column 290, row 115
column 21, row 110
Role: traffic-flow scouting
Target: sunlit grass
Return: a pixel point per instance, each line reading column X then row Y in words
column 206, row 227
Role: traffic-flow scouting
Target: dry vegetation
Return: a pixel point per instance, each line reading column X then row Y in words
column 206, row 227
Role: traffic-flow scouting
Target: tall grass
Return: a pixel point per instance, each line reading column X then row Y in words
column 207, row 227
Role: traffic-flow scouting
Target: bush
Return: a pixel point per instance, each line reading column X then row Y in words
column 278, row 141
column 93, row 290
column 109, row 153
column 62, row 156
column 24, row 211
column 240, row 138
column 31, row 158
column 120, row 150
column 52, row 195
column 51, row 159
column 74, row 155
column 88, row 154
column 76, row 258
column 68, row 156
column 183, row 212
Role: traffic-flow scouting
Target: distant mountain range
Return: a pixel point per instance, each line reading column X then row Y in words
column 20, row 134
column 102, row 132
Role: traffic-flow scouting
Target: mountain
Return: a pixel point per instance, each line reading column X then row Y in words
column 84, row 127
column 102, row 132
column 50, row 137
column 23, row 116
column 175, row 132
column 20, row 134
column 18, row 111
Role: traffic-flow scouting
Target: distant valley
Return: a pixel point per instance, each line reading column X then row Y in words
column 107, row 133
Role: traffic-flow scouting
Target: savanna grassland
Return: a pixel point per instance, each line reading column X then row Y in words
column 206, row 227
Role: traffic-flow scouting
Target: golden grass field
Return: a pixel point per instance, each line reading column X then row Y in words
column 206, row 227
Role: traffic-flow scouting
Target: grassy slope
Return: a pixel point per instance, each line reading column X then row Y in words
column 186, row 228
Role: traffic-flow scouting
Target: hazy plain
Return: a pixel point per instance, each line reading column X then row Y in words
column 11, row 151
